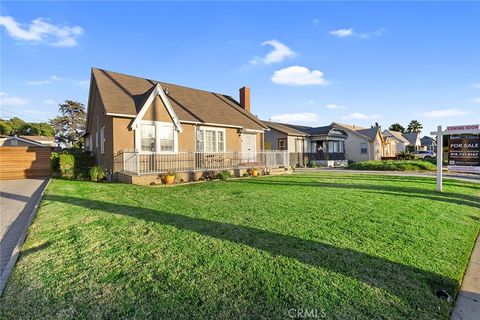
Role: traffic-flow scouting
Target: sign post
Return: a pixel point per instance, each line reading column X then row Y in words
column 454, row 130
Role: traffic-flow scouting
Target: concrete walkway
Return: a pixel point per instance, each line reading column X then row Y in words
column 19, row 200
column 467, row 306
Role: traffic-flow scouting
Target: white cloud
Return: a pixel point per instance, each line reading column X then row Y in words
column 476, row 100
column 300, row 117
column 342, row 33
column 444, row 113
column 42, row 31
column 278, row 54
column 56, row 78
column 361, row 116
column 2, row 94
column 9, row 101
column 48, row 101
column 333, row 106
column 298, row 76
column 38, row 82
column 476, row 85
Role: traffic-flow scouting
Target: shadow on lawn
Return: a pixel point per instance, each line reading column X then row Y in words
column 449, row 197
column 398, row 279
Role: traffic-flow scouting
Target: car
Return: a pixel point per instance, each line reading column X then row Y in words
column 424, row 154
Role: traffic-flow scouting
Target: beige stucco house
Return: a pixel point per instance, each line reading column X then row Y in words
column 146, row 126
column 394, row 143
column 362, row 144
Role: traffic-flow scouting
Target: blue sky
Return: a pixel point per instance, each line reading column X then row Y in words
column 307, row 63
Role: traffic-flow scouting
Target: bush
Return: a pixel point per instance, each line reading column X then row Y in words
column 393, row 165
column 405, row 156
column 224, row 175
column 72, row 164
column 97, row 173
column 312, row 164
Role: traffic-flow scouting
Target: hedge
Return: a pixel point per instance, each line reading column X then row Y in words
column 72, row 164
column 393, row 165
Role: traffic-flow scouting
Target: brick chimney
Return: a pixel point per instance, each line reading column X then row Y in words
column 245, row 98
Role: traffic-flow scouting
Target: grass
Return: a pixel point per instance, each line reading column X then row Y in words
column 394, row 165
column 348, row 246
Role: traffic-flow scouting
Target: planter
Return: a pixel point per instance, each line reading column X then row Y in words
column 254, row 172
column 169, row 180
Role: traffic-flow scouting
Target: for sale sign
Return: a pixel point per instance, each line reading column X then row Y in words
column 464, row 153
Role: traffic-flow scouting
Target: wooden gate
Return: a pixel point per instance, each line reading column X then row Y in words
column 24, row 162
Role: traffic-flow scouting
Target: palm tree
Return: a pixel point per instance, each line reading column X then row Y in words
column 414, row 126
column 397, row 127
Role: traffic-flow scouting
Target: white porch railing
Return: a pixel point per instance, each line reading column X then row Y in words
column 144, row 163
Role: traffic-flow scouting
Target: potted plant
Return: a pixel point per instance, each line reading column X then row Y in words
column 254, row 172
column 169, row 177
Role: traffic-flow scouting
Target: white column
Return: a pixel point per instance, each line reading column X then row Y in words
column 439, row 158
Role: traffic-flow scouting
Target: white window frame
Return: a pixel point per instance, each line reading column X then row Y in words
column 203, row 128
column 102, row 140
column 158, row 125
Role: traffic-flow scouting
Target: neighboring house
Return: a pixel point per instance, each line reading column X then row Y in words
column 428, row 143
column 14, row 141
column 326, row 144
column 145, row 126
column 413, row 139
column 362, row 143
column 47, row 141
column 394, row 143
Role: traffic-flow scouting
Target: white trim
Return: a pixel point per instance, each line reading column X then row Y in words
column 102, row 140
column 120, row 115
column 210, row 124
column 157, row 91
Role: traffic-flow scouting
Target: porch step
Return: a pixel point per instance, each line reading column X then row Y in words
column 277, row 171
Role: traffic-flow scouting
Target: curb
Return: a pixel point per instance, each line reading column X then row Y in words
column 16, row 251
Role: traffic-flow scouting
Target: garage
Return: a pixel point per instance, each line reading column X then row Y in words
column 24, row 160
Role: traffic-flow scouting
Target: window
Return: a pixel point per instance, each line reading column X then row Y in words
column 210, row 140
column 363, row 148
column 282, row 144
column 102, row 140
column 14, row 142
column 335, row 146
column 167, row 143
column 147, row 137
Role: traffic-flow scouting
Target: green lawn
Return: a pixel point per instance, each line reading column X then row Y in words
column 350, row 246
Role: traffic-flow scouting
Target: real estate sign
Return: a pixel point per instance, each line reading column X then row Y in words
column 464, row 153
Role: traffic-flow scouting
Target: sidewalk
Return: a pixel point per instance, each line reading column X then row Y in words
column 19, row 201
column 467, row 306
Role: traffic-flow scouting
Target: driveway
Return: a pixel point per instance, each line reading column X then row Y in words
column 18, row 199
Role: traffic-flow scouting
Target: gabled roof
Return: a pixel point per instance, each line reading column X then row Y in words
column 285, row 128
column 411, row 137
column 26, row 140
column 123, row 94
column 369, row 134
column 428, row 141
column 39, row 138
column 396, row 134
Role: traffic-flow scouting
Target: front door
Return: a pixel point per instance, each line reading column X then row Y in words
column 249, row 147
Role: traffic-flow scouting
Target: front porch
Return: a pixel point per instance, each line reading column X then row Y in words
column 193, row 165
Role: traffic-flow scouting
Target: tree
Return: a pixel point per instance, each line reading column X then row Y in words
column 70, row 125
column 414, row 126
column 16, row 126
column 397, row 127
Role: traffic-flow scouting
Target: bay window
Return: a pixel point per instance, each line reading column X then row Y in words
column 210, row 140
column 147, row 137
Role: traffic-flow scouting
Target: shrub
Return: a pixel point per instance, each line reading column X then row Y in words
column 393, row 165
column 312, row 164
column 97, row 173
column 72, row 164
column 224, row 175
column 405, row 156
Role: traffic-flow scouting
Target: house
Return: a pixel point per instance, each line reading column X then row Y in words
column 325, row 145
column 47, row 141
column 394, row 143
column 428, row 143
column 362, row 143
column 23, row 141
column 137, row 126
column 414, row 140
